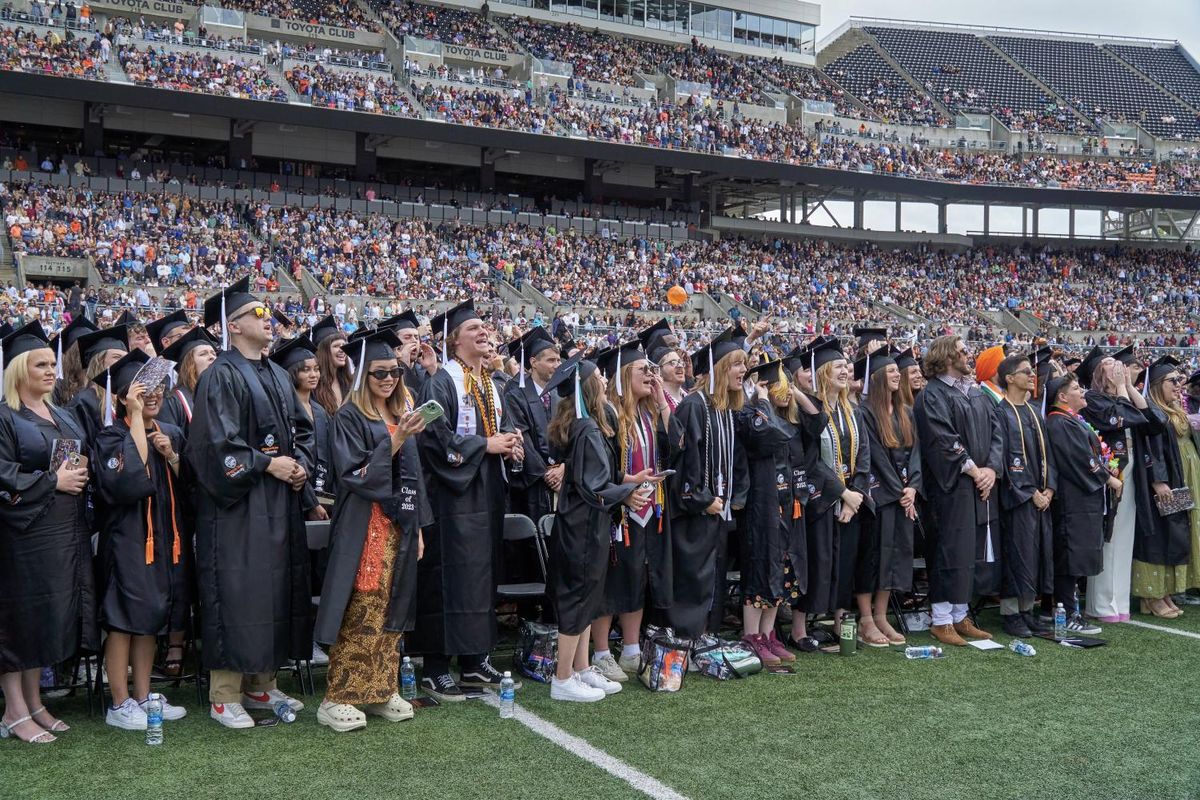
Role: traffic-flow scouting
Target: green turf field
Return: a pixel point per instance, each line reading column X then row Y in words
column 1117, row 722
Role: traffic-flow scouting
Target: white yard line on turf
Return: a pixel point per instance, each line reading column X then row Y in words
column 593, row 755
column 1162, row 628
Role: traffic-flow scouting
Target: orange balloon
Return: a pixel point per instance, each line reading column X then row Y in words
column 677, row 295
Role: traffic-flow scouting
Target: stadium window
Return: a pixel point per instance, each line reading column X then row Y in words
column 654, row 14
column 615, row 11
column 680, row 16
column 739, row 28
column 591, row 8
column 724, row 25
column 637, row 12
column 704, row 21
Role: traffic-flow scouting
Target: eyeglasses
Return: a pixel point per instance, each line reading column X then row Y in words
column 1177, row 379
column 1026, row 371
column 258, row 311
column 675, row 362
column 384, row 374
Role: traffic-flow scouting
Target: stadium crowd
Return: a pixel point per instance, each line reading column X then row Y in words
column 229, row 75
column 353, row 91
column 439, row 23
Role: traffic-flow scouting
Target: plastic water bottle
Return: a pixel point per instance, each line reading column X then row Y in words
column 154, row 719
column 285, row 712
column 508, row 696
column 1060, row 622
column 408, row 679
column 926, row 651
column 1021, row 648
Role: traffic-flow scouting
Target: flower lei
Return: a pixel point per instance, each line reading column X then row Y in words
column 1106, row 454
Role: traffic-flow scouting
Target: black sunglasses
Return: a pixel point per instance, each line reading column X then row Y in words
column 384, row 374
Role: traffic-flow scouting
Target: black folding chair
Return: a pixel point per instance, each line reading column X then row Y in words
column 520, row 528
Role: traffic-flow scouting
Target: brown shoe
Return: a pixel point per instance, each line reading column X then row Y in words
column 967, row 628
column 947, row 635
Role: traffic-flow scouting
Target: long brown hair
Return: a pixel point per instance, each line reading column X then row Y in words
column 628, row 407
column 724, row 399
column 189, row 373
column 331, row 375
column 74, row 376
column 559, row 430
column 882, row 403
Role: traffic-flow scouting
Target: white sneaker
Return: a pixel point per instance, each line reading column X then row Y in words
column 231, row 715
column 170, row 712
column 319, row 657
column 574, row 690
column 127, row 716
column 592, row 676
column 268, row 700
column 630, row 663
column 607, row 666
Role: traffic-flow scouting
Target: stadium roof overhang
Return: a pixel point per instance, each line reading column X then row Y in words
column 760, row 178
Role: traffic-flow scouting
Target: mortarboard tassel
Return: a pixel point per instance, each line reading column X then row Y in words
column 619, row 391
column 712, row 380
column 445, row 333
column 108, row 401
column 1, row 358
column 224, row 324
column 580, row 408
column 867, row 376
column 521, row 382
column 58, row 366
column 358, row 373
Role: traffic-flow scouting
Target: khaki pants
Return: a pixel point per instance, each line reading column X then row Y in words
column 227, row 687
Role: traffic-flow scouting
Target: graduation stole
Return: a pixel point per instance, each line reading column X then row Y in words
column 643, row 432
column 843, row 469
column 183, row 402
column 175, row 546
column 1037, row 427
column 469, row 385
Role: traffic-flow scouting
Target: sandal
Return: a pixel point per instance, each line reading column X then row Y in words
column 340, row 717
column 1158, row 609
column 173, row 667
column 879, row 640
column 396, row 709
column 58, row 727
column 7, row 730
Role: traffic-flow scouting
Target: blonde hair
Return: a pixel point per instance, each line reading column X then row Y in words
column 627, row 406
column 364, row 401
column 726, row 399
column 780, row 390
column 16, row 373
column 821, row 384
column 1169, row 403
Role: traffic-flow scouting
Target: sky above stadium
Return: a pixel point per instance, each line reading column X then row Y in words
column 1155, row 19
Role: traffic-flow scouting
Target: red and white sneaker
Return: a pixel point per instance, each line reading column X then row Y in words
column 268, row 700
column 231, row 715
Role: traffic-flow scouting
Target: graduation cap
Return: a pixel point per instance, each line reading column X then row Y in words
column 114, row 338
column 79, row 326
column 219, row 307
column 129, row 318
column 905, row 358
column 1194, row 378
column 377, row 345
column 1054, row 386
column 1126, row 356
column 824, row 352
column 800, row 356
column 874, row 363
column 866, row 335
column 402, row 321
column 5, row 329
column 1161, row 368
column 1072, row 361
column 188, row 342
column 704, row 359
column 658, row 353
column 324, row 329
column 653, row 336
column 568, row 380
column 770, row 371
column 24, row 339
column 282, row 319
column 1088, row 366
column 120, row 376
column 533, row 342
column 292, row 351
column 159, row 328
column 611, row 360
column 1041, row 355
column 450, row 319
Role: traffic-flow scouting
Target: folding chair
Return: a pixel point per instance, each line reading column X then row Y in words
column 520, row 528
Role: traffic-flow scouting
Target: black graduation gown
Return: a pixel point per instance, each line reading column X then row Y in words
column 953, row 427
column 368, row 474
column 136, row 597
column 889, row 559
column 763, row 544
column 323, row 478
column 1026, row 534
column 456, row 579
column 527, row 488
column 695, row 535
column 174, row 411
column 1169, row 542
column 47, row 595
column 1113, row 418
column 251, row 547
column 88, row 412
column 1082, row 506
column 588, row 513
column 415, row 378
column 642, row 556
column 793, row 466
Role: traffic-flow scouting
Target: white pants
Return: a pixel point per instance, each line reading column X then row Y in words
column 949, row 613
column 1108, row 592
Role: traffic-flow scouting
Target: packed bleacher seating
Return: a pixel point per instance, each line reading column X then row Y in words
column 232, row 75
column 595, row 55
column 465, row 105
column 805, row 83
column 728, row 77
column 356, row 91
column 962, row 71
column 318, row 12
column 1100, row 86
column 870, row 78
column 440, row 23
column 22, row 50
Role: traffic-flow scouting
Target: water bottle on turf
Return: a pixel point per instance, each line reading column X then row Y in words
column 508, row 694
column 927, row 651
column 154, row 719
column 1021, row 648
column 408, row 679
column 1060, row 622
column 285, row 712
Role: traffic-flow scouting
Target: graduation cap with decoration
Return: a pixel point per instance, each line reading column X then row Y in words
column 611, row 361
column 377, row 345
column 224, row 305
column 293, row 351
column 120, row 376
column 160, row 328
column 450, row 319
column 79, row 326
column 704, row 360
column 868, row 365
column 188, row 342
column 402, row 321
column 96, row 342
column 568, row 381
column 22, row 340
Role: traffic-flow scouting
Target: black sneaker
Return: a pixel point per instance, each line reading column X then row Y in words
column 1014, row 625
column 1035, row 624
column 485, row 676
column 443, row 687
column 822, row 636
column 1076, row 624
column 805, row 644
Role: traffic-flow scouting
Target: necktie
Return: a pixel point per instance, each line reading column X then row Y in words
column 546, row 401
